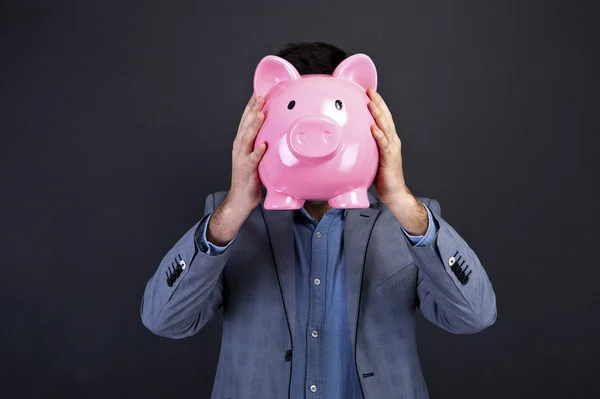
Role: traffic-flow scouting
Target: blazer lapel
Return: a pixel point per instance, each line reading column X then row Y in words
column 280, row 229
column 357, row 229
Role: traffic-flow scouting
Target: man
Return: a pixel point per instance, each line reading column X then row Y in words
column 319, row 302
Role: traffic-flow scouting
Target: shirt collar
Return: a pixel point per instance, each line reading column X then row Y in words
column 305, row 215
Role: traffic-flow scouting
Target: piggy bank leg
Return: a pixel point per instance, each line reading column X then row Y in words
column 279, row 201
column 357, row 198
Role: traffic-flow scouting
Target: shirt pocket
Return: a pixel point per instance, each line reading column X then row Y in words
column 396, row 278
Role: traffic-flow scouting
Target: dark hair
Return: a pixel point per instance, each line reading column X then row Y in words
column 313, row 57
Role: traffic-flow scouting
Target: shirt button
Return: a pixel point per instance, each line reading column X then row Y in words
column 319, row 234
column 317, row 281
column 451, row 261
column 313, row 388
column 315, row 334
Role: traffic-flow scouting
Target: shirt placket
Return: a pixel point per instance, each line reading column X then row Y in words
column 316, row 314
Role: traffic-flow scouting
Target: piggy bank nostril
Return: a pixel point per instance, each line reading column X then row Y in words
column 301, row 137
column 326, row 136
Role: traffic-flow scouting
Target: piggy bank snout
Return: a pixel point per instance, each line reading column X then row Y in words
column 314, row 137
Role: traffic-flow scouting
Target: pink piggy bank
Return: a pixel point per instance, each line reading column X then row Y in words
column 318, row 134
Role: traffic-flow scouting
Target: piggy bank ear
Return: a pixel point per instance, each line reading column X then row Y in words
column 270, row 71
column 358, row 68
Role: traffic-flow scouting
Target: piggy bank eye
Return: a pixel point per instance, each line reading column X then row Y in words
column 338, row 104
column 291, row 104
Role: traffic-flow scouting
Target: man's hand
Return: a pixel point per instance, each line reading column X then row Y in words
column 389, row 181
column 245, row 191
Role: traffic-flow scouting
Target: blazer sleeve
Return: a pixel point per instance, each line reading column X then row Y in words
column 187, row 288
column 454, row 291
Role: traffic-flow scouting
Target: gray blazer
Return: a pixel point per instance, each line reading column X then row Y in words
column 253, row 281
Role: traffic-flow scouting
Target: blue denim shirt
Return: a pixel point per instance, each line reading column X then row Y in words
column 322, row 366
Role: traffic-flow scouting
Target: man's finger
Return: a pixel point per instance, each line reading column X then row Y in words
column 384, row 145
column 376, row 97
column 380, row 138
column 251, row 132
column 258, row 153
column 379, row 116
column 246, row 110
column 254, row 106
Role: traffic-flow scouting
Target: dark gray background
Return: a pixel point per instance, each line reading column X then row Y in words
column 117, row 120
